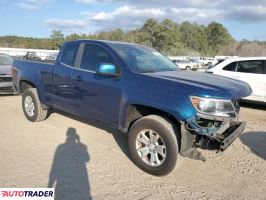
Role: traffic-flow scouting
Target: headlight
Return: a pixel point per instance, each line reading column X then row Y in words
column 217, row 107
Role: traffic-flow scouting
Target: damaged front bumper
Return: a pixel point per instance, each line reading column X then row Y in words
column 231, row 134
column 223, row 140
column 209, row 132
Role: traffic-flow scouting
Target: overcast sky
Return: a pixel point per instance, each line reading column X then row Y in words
column 245, row 19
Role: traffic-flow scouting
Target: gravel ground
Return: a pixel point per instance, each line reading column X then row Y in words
column 87, row 159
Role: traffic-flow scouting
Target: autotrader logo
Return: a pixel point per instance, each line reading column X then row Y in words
column 27, row 193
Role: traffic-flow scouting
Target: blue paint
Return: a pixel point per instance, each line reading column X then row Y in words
column 107, row 98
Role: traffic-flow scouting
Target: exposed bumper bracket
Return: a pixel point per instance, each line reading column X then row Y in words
column 231, row 134
column 187, row 148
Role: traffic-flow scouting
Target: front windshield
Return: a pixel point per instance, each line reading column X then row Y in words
column 142, row 59
column 4, row 60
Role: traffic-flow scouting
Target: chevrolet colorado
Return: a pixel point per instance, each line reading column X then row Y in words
column 165, row 111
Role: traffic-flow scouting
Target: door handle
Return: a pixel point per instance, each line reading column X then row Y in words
column 235, row 76
column 78, row 78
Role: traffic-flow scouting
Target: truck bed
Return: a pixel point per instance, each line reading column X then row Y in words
column 40, row 73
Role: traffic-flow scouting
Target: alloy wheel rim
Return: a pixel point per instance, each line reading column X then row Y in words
column 151, row 147
column 29, row 106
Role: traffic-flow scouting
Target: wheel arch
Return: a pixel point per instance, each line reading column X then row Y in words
column 25, row 84
column 137, row 111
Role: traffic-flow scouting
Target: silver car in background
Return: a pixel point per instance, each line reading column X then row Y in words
column 6, row 82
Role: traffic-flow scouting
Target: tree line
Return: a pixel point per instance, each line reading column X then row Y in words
column 169, row 37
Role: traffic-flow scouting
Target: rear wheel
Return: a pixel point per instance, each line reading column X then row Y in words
column 32, row 107
column 188, row 68
column 153, row 145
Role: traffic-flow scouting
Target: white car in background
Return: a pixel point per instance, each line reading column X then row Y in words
column 187, row 64
column 248, row 69
column 205, row 61
column 52, row 57
column 218, row 59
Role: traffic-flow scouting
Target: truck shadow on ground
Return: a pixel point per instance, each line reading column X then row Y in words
column 68, row 173
column 256, row 142
column 252, row 105
column 119, row 137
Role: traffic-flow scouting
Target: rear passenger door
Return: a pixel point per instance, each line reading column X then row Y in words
column 254, row 73
column 62, row 83
column 251, row 71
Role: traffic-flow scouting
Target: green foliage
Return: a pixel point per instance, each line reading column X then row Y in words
column 167, row 36
column 57, row 38
column 217, row 36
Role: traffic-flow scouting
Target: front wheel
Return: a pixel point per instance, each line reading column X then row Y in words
column 32, row 107
column 153, row 145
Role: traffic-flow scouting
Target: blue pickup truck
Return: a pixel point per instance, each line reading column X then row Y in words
column 165, row 111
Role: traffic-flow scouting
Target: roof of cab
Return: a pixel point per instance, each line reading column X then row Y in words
column 103, row 41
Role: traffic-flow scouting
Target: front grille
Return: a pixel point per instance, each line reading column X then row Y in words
column 6, row 89
column 5, row 79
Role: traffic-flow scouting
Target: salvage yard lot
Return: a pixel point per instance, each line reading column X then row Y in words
column 98, row 165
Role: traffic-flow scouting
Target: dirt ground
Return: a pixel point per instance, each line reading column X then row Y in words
column 85, row 159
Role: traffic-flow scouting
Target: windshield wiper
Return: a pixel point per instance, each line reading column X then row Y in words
column 171, row 70
column 157, row 70
column 147, row 71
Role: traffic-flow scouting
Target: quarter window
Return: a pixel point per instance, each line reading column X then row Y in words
column 231, row 67
column 68, row 56
column 93, row 55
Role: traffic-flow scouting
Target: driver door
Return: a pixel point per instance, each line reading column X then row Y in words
column 96, row 96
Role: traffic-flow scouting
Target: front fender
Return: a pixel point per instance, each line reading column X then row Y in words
column 179, row 113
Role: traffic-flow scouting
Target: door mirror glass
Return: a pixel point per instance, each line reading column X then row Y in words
column 107, row 69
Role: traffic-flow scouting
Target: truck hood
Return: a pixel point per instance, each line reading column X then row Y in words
column 5, row 69
column 204, row 84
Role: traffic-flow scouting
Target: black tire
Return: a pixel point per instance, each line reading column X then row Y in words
column 188, row 68
column 39, row 113
column 167, row 131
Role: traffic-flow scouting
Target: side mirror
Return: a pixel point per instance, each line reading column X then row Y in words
column 106, row 69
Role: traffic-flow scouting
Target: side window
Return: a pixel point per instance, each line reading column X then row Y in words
column 251, row 66
column 68, row 56
column 93, row 55
column 231, row 67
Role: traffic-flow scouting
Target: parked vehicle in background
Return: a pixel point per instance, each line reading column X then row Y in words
column 31, row 56
column 219, row 59
column 6, row 82
column 165, row 111
column 187, row 64
column 177, row 57
column 52, row 57
column 249, row 69
column 205, row 61
column 196, row 65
